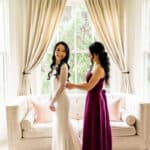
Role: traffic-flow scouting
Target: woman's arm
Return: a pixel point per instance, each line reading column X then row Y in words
column 62, row 82
column 97, row 74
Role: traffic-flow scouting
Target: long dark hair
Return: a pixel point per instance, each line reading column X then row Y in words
column 98, row 49
column 65, row 60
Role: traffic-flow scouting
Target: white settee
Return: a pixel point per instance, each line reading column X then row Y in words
column 25, row 134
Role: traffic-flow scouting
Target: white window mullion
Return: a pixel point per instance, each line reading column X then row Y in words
column 75, row 48
column 2, row 77
column 74, row 21
column 146, row 75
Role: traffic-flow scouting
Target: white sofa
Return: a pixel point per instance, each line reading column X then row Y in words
column 37, row 136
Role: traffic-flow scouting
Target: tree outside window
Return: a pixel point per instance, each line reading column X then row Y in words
column 75, row 29
column 146, row 46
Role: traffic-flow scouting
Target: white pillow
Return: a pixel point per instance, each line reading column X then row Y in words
column 42, row 112
column 114, row 109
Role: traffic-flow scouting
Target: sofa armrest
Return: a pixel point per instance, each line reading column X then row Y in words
column 128, row 118
column 143, row 123
column 15, row 112
column 141, row 111
column 29, row 119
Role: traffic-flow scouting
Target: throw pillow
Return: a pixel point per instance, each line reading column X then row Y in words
column 114, row 108
column 43, row 113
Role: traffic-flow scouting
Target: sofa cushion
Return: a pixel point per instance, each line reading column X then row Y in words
column 29, row 119
column 45, row 129
column 42, row 111
column 38, row 130
column 122, row 129
column 77, row 105
column 118, row 129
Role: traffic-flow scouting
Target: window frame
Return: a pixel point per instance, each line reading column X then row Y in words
column 3, row 46
column 146, row 45
column 3, row 57
column 75, row 51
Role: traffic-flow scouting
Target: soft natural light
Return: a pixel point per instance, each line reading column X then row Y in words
column 1, row 27
column 146, row 48
column 75, row 29
column 2, row 83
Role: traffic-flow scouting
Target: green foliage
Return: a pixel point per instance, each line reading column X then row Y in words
column 83, row 65
column 77, row 32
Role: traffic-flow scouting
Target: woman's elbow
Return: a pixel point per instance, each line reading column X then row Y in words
column 62, row 87
column 88, row 88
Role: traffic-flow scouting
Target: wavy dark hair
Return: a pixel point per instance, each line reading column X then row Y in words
column 98, row 49
column 65, row 60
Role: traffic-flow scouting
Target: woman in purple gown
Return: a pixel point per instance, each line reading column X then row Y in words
column 96, row 128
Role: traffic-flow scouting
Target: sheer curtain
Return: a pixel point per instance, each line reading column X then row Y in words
column 108, row 17
column 3, row 55
column 40, row 20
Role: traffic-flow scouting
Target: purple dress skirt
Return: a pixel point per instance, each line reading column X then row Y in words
column 96, row 127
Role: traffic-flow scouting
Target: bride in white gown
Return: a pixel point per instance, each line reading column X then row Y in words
column 64, row 138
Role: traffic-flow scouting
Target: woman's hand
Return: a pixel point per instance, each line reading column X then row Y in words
column 52, row 107
column 70, row 85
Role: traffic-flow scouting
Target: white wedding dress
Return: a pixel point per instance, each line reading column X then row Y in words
column 64, row 138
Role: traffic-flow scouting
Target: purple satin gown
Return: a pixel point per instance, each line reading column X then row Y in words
column 96, row 129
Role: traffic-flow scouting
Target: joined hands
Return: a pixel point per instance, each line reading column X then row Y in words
column 52, row 107
column 69, row 85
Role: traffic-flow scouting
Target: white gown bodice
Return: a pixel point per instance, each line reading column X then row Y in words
column 64, row 138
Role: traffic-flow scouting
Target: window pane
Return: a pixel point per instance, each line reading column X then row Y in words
column 147, row 75
column 84, row 28
column 75, row 29
column 45, row 68
column 67, row 27
column 1, row 27
column 2, row 87
column 72, row 68
column 83, row 65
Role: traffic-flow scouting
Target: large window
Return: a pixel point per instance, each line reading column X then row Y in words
column 75, row 28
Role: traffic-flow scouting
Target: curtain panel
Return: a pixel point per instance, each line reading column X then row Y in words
column 109, row 19
column 40, row 20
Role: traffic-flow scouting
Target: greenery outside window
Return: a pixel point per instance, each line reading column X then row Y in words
column 76, row 30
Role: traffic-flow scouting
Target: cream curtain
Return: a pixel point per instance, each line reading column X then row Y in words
column 40, row 20
column 108, row 17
